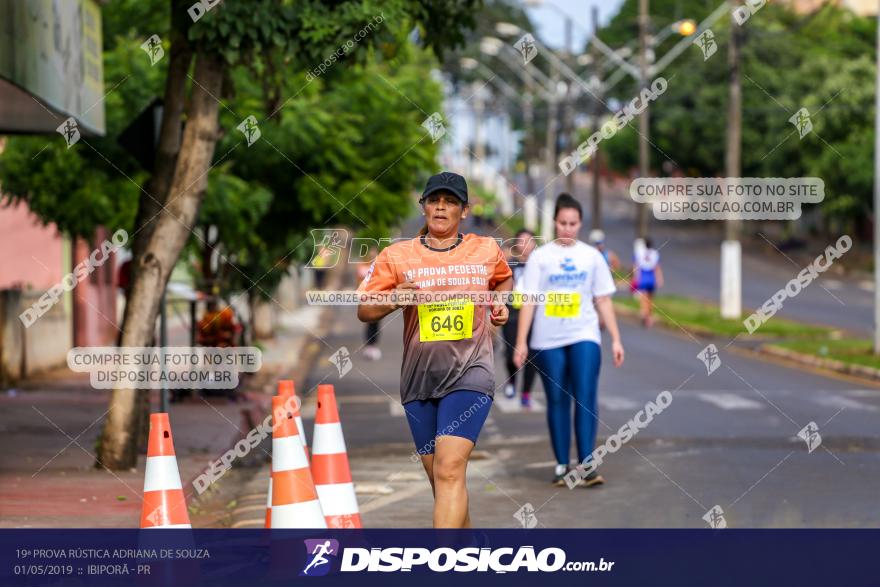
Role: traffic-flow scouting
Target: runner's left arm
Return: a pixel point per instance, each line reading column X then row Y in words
column 605, row 307
column 602, row 289
column 502, row 280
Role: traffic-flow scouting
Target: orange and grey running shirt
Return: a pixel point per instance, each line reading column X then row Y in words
column 447, row 346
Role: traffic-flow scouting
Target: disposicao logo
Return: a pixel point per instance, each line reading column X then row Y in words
column 321, row 554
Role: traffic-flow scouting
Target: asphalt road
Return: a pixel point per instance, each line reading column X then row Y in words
column 728, row 439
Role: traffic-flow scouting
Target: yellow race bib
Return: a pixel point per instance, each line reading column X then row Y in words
column 452, row 320
column 561, row 304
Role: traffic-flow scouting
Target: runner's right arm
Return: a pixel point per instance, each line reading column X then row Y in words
column 374, row 312
column 381, row 277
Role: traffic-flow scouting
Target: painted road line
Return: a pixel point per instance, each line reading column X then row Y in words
column 730, row 401
column 387, row 500
column 618, row 403
column 846, row 403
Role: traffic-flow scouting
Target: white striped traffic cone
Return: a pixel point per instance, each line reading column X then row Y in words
column 294, row 499
column 269, row 501
column 286, row 389
column 330, row 465
column 164, row 503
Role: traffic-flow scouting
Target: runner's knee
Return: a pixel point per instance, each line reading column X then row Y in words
column 449, row 469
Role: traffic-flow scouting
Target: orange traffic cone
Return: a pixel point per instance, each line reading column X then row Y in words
column 294, row 499
column 269, row 502
column 330, row 465
column 164, row 503
column 286, row 389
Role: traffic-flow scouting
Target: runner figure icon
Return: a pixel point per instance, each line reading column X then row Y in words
column 318, row 557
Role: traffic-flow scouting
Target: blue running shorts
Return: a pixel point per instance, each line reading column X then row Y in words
column 459, row 413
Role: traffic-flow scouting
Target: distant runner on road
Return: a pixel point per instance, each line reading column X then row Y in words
column 447, row 378
column 649, row 278
column 565, row 333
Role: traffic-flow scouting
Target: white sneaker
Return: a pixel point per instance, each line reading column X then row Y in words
column 509, row 390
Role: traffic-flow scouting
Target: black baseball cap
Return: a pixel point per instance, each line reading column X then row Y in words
column 449, row 182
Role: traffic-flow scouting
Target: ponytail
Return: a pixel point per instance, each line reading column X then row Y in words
column 564, row 201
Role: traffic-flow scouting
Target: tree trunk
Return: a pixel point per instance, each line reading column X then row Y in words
column 168, row 144
column 153, row 197
column 153, row 267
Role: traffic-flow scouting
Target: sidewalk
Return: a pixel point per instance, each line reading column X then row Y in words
column 48, row 476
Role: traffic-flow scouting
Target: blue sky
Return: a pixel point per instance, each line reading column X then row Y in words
column 550, row 23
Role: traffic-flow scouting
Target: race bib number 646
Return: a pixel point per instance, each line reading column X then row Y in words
column 446, row 321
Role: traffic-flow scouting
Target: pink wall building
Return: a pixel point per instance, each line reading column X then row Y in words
column 31, row 255
column 34, row 257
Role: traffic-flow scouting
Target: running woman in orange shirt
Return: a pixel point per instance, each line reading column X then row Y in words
column 447, row 378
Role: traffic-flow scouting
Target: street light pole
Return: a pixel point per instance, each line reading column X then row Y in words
column 877, row 195
column 528, row 113
column 597, row 109
column 568, row 109
column 644, row 120
column 550, row 158
column 479, row 134
column 731, row 253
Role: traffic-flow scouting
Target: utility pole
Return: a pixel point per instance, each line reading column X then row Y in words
column 528, row 114
column 644, row 119
column 545, row 203
column 731, row 254
column 877, row 195
column 568, row 110
column 479, row 133
column 597, row 110
column 529, row 148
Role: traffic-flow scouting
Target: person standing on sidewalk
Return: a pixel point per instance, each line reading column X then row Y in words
column 524, row 244
column 447, row 377
column 565, row 333
column 371, row 332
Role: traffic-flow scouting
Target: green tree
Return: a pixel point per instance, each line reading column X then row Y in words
column 254, row 57
column 820, row 61
column 237, row 33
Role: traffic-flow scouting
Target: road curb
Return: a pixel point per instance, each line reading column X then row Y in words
column 767, row 351
column 862, row 371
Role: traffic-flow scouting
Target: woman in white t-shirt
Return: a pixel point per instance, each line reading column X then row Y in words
column 565, row 333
